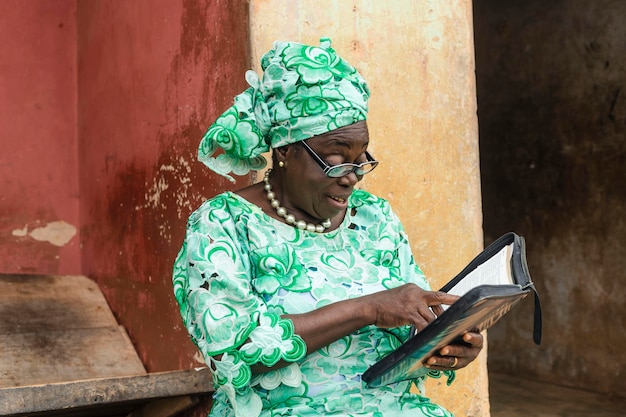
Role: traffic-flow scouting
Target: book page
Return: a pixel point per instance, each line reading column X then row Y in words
column 494, row 271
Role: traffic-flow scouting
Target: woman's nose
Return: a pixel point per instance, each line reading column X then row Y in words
column 349, row 180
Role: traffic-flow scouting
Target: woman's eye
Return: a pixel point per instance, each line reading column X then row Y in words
column 335, row 160
column 344, row 159
column 362, row 158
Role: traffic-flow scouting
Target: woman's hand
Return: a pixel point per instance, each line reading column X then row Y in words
column 457, row 356
column 406, row 305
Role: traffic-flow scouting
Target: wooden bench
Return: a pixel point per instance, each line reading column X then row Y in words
column 62, row 353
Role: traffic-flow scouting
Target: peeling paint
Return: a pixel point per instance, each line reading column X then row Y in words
column 179, row 174
column 20, row 232
column 57, row 233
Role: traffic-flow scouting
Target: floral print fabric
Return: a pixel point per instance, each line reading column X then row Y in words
column 304, row 91
column 240, row 270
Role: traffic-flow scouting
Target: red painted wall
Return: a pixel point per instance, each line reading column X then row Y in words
column 39, row 219
column 152, row 76
column 102, row 106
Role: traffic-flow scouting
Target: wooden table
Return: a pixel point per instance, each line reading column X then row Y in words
column 62, row 353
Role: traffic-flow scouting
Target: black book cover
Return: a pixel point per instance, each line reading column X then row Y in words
column 478, row 309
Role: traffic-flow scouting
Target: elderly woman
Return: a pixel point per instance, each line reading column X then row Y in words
column 292, row 287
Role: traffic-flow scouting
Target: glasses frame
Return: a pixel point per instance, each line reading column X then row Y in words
column 354, row 167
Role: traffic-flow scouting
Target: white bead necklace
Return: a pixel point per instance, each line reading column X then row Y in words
column 290, row 218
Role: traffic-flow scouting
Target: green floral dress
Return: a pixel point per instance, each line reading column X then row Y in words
column 240, row 270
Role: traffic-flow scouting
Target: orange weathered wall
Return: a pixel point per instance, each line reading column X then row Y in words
column 418, row 59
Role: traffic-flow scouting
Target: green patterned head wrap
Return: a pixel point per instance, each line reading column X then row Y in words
column 305, row 91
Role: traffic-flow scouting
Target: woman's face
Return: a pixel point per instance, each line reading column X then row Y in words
column 306, row 191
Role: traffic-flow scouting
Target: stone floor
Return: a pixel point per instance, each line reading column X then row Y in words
column 515, row 397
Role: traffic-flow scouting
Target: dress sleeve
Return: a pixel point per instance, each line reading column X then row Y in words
column 227, row 320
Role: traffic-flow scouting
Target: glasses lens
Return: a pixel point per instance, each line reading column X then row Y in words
column 344, row 169
column 340, row 170
column 365, row 168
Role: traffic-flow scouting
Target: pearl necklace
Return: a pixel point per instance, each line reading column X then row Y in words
column 290, row 218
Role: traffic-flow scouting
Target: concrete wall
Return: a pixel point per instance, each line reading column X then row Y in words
column 39, row 198
column 418, row 58
column 552, row 112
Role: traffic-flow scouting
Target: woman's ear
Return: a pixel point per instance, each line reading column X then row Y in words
column 281, row 153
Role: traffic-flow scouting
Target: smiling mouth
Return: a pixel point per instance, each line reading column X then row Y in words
column 338, row 199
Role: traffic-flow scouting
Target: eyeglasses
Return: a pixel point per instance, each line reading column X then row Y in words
column 341, row 170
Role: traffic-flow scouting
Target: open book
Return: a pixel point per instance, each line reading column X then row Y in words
column 489, row 287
